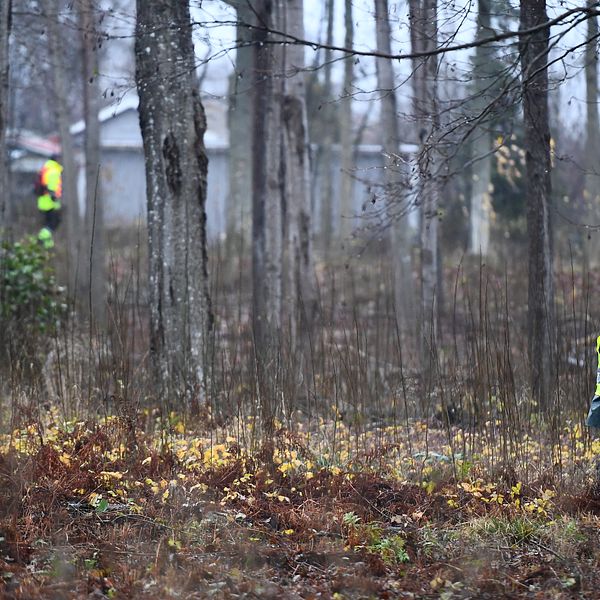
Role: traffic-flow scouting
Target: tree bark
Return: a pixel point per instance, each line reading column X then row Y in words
column 300, row 296
column 238, row 213
column 479, row 218
column 267, row 218
column 534, row 73
column 93, row 280
column 173, row 124
column 326, row 187
column 592, row 142
column 423, row 32
column 5, row 25
column 394, row 172
column 346, row 138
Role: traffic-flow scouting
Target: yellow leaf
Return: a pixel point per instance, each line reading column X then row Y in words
column 94, row 498
column 199, row 486
column 285, row 467
column 112, row 474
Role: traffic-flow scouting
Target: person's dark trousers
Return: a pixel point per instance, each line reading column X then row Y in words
column 52, row 219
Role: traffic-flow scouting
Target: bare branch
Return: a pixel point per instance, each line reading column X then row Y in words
column 286, row 38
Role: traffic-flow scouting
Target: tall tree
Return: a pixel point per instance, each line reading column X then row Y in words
column 393, row 171
column 592, row 139
column 5, row 23
column 326, row 189
column 346, row 122
column 300, row 291
column 423, row 35
column 93, row 243
column 479, row 225
column 267, row 223
column 240, row 123
column 173, row 124
column 534, row 74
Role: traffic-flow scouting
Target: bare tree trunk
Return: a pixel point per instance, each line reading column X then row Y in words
column 70, row 203
column 346, row 139
column 541, row 327
column 300, row 296
column 267, row 219
column 173, row 124
column 5, row 23
column 479, row 221
column 326, row 187
column 394, row 172
column 93, row 270
column 238, row 212
column 423, row 23
column 592, row 142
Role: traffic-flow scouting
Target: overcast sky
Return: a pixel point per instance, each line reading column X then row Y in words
column 457, row 24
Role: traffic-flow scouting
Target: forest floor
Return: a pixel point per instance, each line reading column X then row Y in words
column 104, row 510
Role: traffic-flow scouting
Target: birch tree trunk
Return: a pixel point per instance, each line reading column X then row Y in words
column 346, row 138
column 5, row 23
column 173, row 124
column 393, row 170
column 267, row 219
column 423, row 32
column 592, row 141
column 479, row 218
column 300, row 297
column 534, row 73
column 93, row 270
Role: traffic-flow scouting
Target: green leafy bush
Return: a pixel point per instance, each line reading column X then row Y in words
column 31, row 300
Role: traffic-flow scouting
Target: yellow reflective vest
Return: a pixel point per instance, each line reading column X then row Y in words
column 51, row 180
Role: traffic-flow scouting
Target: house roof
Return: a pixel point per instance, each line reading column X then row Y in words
column 24, row 141
column 129, row 102
column 216, row 136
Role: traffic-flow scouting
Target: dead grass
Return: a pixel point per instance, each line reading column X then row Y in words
column 381, row 480
column 84, row 515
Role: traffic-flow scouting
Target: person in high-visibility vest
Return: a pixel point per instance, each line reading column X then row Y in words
column 593, row 418
column 48, row 188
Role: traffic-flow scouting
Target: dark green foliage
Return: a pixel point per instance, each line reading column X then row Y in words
column 31, row 300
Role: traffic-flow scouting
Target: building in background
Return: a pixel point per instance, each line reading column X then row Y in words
column 124, row 180
column 123, row 172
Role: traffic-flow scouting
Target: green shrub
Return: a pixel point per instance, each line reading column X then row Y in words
column 31, row 300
